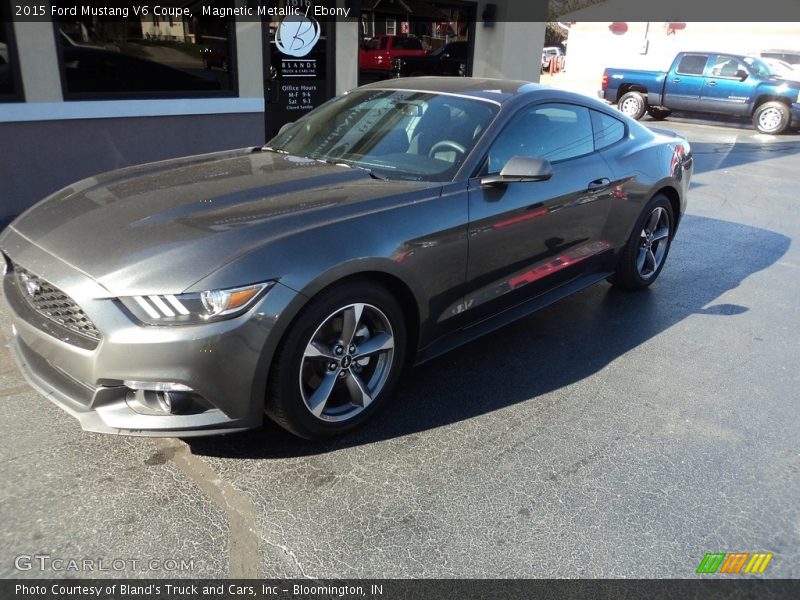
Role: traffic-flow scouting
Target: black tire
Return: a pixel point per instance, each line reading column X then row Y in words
column 633, row 104
column 659, row 114
column 289, row 395
column 630, row 273
column 771, row 117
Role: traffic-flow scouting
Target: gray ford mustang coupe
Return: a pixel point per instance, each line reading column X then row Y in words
column 389, row 225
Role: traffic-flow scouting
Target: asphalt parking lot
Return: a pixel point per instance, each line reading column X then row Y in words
column 610, row 435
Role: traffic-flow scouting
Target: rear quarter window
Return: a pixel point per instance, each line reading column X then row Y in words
column 607, row 129
column 692, row 64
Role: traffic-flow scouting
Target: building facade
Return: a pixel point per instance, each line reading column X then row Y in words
column 80, row 95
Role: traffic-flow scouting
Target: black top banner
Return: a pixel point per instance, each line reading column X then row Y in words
column 393, row 589
column 351, row 10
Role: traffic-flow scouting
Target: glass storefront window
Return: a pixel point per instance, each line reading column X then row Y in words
column 10, row 85
column 146, row 56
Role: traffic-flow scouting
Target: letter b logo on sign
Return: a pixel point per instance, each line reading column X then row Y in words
column 296, row 36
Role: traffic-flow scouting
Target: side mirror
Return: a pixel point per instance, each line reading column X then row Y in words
column 742, row 74
column 521, row 169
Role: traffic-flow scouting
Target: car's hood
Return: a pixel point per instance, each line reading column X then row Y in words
column 161, row 227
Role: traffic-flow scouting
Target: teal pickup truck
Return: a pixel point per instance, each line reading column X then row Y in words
column 708, row 82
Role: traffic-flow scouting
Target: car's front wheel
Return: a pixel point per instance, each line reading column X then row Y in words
column 647, row 249
column 339, row 362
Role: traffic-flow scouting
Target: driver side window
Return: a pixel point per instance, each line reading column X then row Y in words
column 726, row 66
column 552, row 131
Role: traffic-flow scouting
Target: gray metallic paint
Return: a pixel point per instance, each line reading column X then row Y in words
column 233, row 218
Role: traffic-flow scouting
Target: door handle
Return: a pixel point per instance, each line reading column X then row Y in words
column 711, row 83
column 676, row 80
column 598, row 184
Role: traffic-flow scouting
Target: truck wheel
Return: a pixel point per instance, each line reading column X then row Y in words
column 659, row 114
column 771, row 117
column 633, row 104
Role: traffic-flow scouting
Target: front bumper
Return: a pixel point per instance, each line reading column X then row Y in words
column 222, row 362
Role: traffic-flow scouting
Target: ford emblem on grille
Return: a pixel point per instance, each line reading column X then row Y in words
column 30, row 285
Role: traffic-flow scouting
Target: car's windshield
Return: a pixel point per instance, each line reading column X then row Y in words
column 397, row 134
column 759, row 68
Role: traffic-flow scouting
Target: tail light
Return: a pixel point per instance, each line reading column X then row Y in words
column 605, row 80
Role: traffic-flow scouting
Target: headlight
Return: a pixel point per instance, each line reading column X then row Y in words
column 193, row 309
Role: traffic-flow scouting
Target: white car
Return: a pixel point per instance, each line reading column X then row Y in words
column 785, row 63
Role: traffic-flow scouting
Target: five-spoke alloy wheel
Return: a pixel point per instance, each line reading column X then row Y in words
column 646, row 251
column 339, row 361
column 653, row 243
column 347, row 362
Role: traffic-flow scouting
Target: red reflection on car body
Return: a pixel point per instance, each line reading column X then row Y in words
column 526, row 217
column 560, row 262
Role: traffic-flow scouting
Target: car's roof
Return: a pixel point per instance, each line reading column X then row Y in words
column 718, row 53
column 498, row 90
column 495, row 90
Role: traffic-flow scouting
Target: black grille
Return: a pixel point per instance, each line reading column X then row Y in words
column 51, row 302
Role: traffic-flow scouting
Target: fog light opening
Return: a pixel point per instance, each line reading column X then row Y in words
column 173, row 402
column 156, row 386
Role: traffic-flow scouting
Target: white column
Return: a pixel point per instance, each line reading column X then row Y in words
column 249, row 58
column 348, row 37
column 508, row 50
column 38, row 61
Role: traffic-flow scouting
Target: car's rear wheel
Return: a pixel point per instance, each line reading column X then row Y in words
column 771, row 117
column 647, row 249
column 659, row 114
column 633, row 104
column 339, row 362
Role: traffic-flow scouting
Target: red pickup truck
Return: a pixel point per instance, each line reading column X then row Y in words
column 377, row 54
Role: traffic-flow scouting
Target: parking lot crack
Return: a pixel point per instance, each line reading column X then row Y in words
column 243, row 555
column 291, row 555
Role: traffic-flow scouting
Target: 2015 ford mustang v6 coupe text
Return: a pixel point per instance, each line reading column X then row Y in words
column 192, row 296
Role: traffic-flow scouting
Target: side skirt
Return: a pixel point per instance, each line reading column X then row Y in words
column 506, row 317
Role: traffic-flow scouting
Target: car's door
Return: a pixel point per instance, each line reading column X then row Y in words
column 727, row 86
column 683, row 85
column 527, row 237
